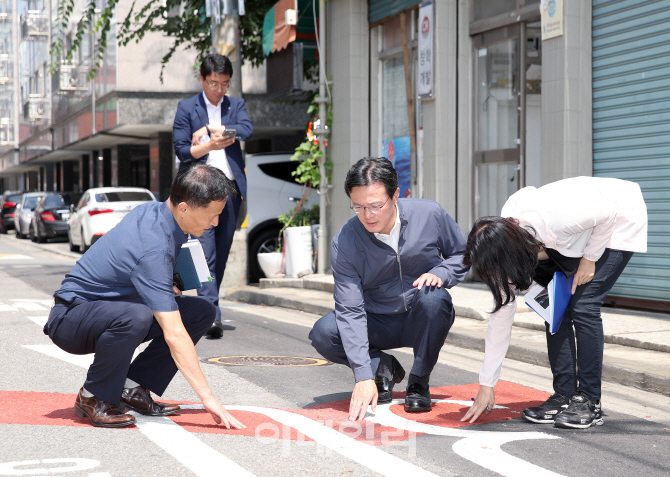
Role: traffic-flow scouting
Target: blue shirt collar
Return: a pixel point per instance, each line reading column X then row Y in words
column 179, row 236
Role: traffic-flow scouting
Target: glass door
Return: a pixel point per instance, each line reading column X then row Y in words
column 497, row 108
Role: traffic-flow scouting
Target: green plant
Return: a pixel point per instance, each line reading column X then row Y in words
column 185, row 21
column 309, row 152
column 299, row 218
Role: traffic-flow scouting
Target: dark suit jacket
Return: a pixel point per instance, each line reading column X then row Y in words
column 192, row 115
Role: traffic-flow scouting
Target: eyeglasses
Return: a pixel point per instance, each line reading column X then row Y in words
column 375, row 209
column 215, row 85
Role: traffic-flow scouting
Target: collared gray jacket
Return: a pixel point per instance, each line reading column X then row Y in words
column 371, row 277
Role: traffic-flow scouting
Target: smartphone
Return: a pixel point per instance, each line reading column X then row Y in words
column 230, row 133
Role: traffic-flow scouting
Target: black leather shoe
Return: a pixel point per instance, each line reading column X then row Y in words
column 417, row 399
column 216, row 330
column 384, row 384
column 139, row 400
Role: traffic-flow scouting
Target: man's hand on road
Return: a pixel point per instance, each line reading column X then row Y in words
column 429, row 280
column 364, row 395
column 486, row 398
column 221, row 415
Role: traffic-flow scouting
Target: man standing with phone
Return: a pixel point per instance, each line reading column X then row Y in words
column 207, row 128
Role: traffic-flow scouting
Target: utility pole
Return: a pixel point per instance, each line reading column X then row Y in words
column 226, row 42
column 322, row 133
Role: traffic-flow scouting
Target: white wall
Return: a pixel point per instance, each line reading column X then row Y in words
column 347, row 58
column 567, row 128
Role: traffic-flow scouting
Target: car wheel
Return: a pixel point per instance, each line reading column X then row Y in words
column 266, row 241
column 83, row 247
column 31, row 234
column 18, row 232
column 38, row 236
column 73, row 247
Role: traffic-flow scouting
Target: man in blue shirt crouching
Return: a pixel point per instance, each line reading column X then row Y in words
column 120, row 294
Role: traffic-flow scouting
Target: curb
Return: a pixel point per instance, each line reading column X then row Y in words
column 256, row 298
column 617, row 374
column 59, row 252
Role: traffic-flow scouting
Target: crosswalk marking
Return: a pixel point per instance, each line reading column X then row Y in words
column 200, row 458
column 14, row 256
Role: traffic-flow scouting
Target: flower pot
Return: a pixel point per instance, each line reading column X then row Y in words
column 271, row 264
column 298, row 242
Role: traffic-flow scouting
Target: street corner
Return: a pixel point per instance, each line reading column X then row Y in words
column 450, row 403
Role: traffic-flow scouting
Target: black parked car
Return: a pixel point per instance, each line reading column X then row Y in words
column 51, row 216
column 9, row 202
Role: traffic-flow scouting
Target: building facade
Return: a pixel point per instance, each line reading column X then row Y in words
column 66, row 131
column 506, row 109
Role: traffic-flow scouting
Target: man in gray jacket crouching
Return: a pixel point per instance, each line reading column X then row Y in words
column 392, row 265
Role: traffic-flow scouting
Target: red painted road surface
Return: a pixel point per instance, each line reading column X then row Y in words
column 55, row 409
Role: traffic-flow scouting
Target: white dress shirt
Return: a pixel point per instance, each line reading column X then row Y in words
column 217, row 159
column 578, row 217
column 393, row 237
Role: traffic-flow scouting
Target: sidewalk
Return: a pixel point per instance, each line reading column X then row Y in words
column 637, row 343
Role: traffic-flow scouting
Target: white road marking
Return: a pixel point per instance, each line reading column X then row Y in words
column 28, row 306
column 479, row 447
column 38, row 320
column 9, row 468
column 46, row 303
column 171, row 437
column 369, row 456
column 7, row 308
column 197, row 456
column 82, row 360
column 14, row 256
column 463, row 403
column 100, row 474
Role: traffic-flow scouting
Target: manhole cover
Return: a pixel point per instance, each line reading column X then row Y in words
column 267, row 361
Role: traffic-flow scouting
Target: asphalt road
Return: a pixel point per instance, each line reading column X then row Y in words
column 296, row 415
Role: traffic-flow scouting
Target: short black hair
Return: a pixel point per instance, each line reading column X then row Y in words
column 370, row 170
column 199, row 184
column 216, row 64
column 503, row 254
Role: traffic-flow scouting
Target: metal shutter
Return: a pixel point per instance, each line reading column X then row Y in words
column 631, row 125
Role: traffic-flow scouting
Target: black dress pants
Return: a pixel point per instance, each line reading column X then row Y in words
column 424, row 328
column 113, row 330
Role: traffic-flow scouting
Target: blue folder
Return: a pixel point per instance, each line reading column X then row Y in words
column 185, row 268
column 558, row 293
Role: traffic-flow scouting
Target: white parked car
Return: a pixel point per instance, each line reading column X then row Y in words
column 99, row 210
column 272, row 191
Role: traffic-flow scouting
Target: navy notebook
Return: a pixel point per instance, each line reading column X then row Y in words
column 191, row 267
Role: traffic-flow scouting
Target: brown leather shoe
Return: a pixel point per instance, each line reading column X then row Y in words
column 101, row 413
column 139, row 399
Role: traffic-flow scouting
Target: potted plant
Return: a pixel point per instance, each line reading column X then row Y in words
column 295, row 237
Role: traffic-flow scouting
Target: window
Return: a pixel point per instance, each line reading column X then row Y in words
column 124, row 196
column 280, row 170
